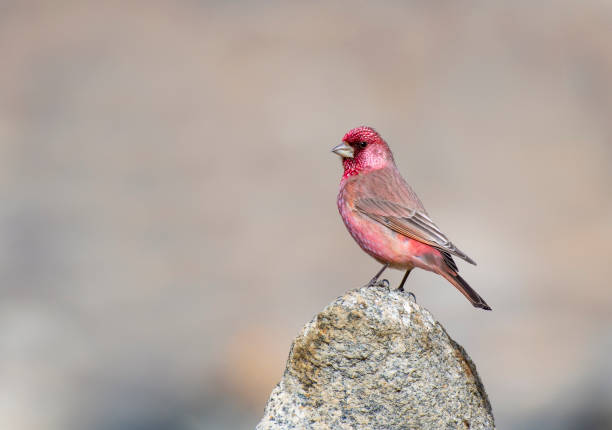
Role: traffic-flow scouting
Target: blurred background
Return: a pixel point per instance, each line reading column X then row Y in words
column 168, row 220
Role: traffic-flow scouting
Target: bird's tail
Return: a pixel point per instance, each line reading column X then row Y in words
column 466, row 290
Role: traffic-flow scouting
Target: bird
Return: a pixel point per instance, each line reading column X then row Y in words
column 386, row 217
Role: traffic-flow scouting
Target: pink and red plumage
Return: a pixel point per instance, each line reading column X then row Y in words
column 387, row 219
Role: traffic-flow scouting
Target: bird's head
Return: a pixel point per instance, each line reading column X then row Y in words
column 362, row 149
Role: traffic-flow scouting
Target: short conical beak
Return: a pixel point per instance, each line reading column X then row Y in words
column 344, row 150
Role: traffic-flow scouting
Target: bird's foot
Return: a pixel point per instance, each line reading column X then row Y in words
column 411, row 295
column 383, row 283
column 378, row 283
column 374, row 280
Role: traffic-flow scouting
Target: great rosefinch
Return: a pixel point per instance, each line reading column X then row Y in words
column 387, row 219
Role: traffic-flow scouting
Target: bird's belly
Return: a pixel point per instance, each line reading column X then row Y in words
column 383, row 244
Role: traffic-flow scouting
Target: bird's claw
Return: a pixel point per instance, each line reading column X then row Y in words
column 383, row 283
column 411, row 296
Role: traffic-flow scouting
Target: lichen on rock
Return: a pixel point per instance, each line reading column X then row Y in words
column 374, row 359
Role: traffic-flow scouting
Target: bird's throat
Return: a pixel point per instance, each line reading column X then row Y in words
column 351, row 166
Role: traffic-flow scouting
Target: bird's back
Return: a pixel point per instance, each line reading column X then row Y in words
column 385, row 183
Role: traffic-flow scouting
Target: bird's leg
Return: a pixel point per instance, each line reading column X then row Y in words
column 401, row 287
column 375, row 278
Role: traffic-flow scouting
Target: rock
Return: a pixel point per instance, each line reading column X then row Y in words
column 374, row 359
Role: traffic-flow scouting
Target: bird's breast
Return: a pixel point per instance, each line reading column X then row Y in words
column 374, row 238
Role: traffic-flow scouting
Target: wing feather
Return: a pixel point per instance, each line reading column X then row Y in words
column 407, row 216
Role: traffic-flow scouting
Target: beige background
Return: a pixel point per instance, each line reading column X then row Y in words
column 168, row 218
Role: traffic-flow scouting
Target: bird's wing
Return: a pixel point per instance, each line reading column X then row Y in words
column 408, row 218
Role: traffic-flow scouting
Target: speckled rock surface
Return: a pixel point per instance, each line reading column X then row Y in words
column 374, row 359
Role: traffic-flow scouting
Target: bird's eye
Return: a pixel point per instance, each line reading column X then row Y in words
column 363, row 144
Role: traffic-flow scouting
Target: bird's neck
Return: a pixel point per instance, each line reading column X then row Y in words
column 356, row 166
